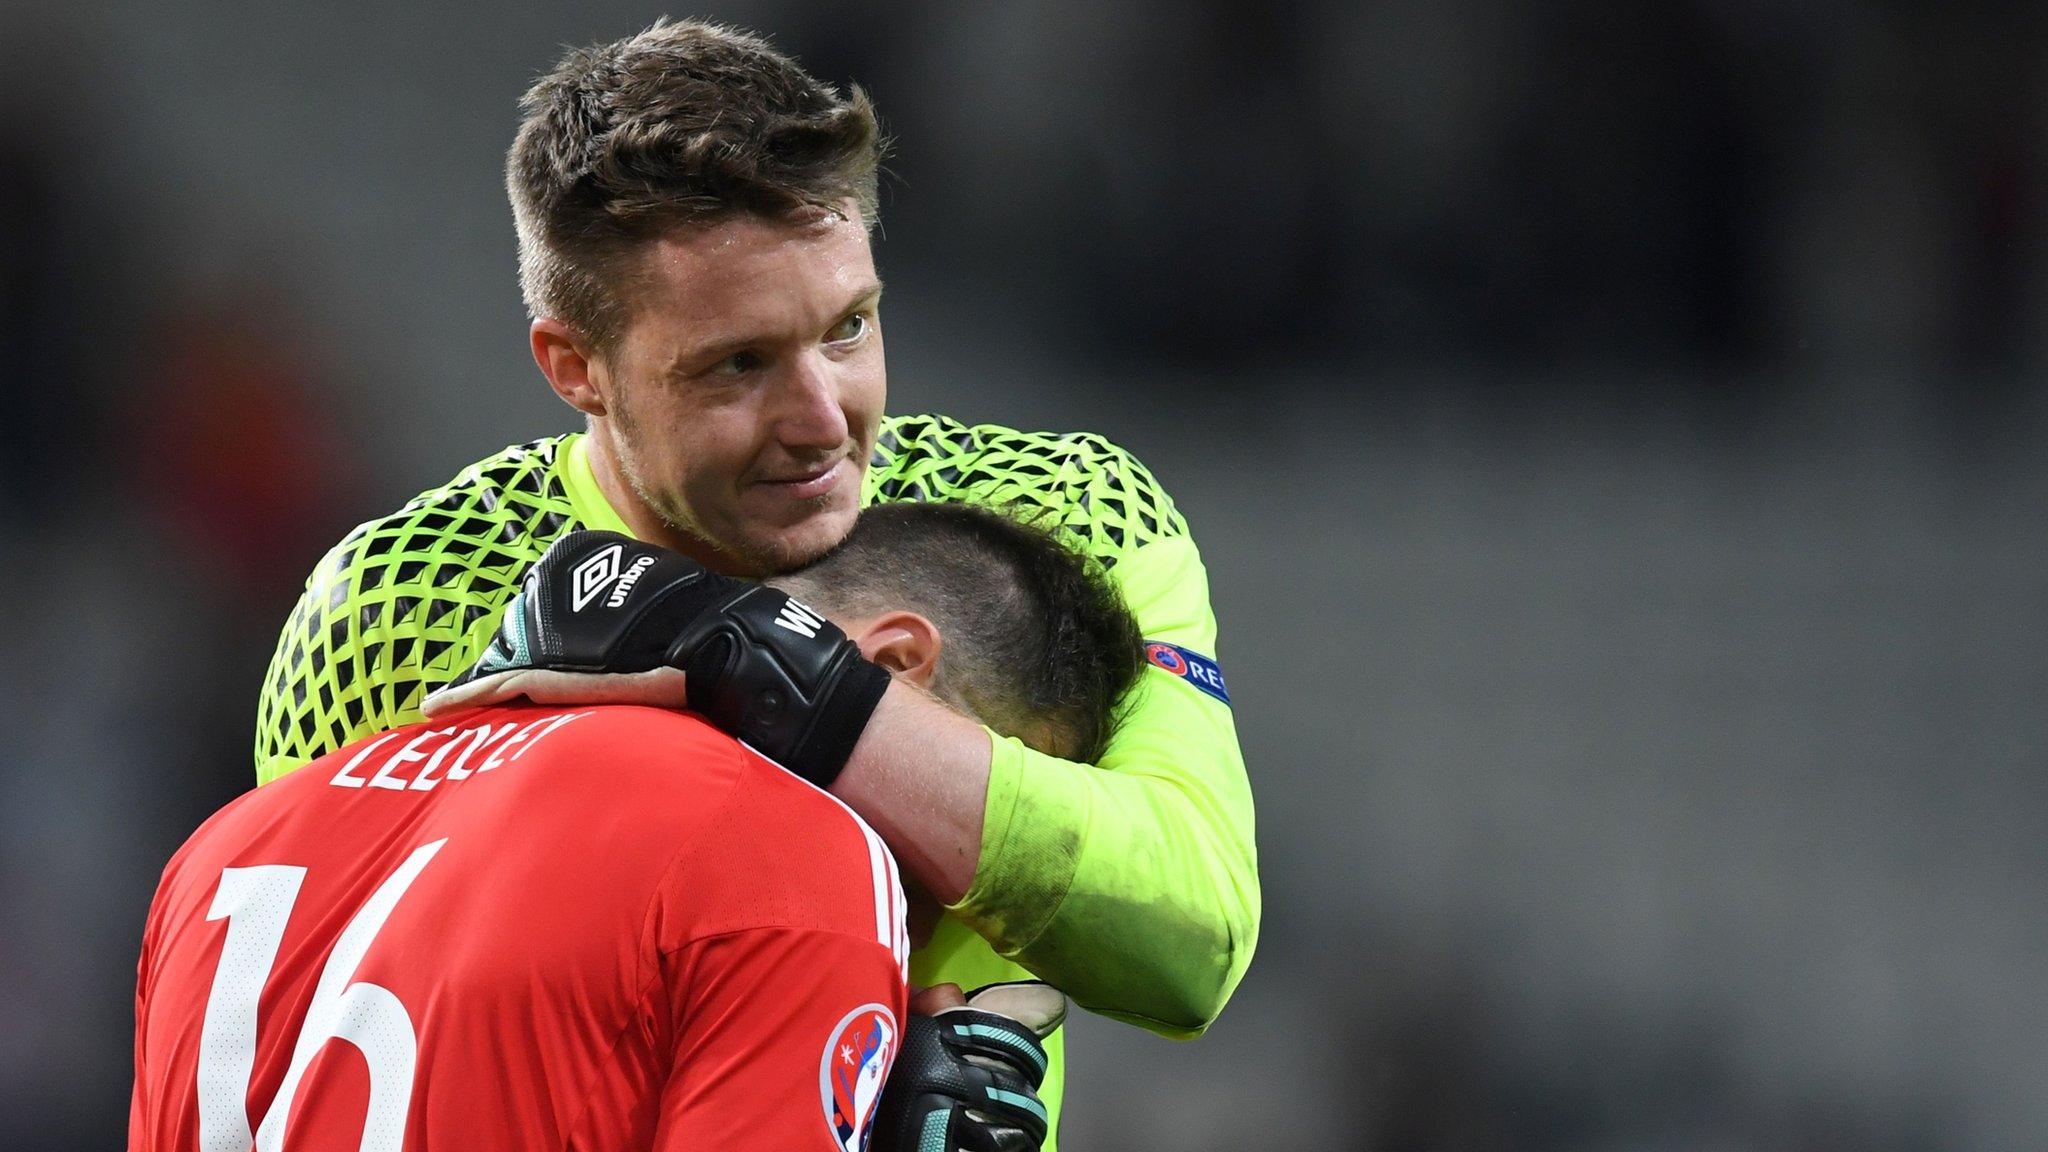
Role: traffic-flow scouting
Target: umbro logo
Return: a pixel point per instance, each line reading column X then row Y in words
column 590, row 578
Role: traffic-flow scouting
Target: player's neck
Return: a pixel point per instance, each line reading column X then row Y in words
column 641, row 520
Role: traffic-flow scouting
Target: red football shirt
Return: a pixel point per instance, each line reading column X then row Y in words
column 522, row 928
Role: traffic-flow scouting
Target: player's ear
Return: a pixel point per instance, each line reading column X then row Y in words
column 565, row 359
column 903, row 643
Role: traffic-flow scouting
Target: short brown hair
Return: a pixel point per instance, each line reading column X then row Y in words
column 1037, row 642
column 685, row 123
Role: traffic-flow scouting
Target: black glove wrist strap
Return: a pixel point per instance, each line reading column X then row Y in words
column 776, row 674
column 836, row 729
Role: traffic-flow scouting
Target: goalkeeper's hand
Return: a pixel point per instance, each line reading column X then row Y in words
column 967, row 1077
column 604, row 618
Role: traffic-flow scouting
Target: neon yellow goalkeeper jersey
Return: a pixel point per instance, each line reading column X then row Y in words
column 1131, row 884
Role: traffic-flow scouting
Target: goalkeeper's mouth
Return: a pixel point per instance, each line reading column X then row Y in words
column 810, row 484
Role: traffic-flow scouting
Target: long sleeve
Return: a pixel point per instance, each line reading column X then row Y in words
column 1132, row 884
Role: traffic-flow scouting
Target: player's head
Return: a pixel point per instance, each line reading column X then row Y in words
column 693, row 212
column 994, row 616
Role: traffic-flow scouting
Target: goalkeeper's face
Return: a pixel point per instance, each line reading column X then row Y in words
column 742, row 400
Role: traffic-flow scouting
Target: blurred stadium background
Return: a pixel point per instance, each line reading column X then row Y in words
column 1615, row 431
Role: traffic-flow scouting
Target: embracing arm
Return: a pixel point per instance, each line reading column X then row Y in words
column 1131, row 884
column 919, row 776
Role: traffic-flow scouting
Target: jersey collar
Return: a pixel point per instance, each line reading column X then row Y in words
column 586, row 499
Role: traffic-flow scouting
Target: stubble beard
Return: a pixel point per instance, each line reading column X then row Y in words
column 739, row 556
column 734, row 555
column 754, row 558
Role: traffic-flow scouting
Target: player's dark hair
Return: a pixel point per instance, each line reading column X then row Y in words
column 683, row 124
column 1037, row 642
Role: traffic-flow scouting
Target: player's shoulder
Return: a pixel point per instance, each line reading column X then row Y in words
column 495, row 515
column 651, row 777
column 405, row 601
column 673, row 769
column 632, row 768
column 220, row 840
column 782, row 853
column 752, row 805
column 749, row 845
column 675, row 751
column 536, row 764
column 1094, row 488
column 218, row 828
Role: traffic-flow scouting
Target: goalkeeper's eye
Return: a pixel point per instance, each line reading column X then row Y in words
column 848, row 330
column 737, row 364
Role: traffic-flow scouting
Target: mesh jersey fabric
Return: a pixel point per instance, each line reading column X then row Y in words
column 1134, row 889
column 408, row 600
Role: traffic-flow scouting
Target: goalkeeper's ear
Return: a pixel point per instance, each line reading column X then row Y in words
column 905, row 644
column 571, row 366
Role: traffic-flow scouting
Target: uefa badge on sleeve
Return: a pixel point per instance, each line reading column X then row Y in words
column 1188, row 665
column 857, row 1058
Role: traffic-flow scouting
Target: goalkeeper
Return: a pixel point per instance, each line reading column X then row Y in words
column 693, row 213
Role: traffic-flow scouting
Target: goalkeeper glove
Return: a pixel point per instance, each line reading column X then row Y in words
column 967, row 1077
column 760, row 666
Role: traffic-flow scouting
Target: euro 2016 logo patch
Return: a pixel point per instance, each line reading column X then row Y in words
column 1192, row 667
column 857, row 1058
